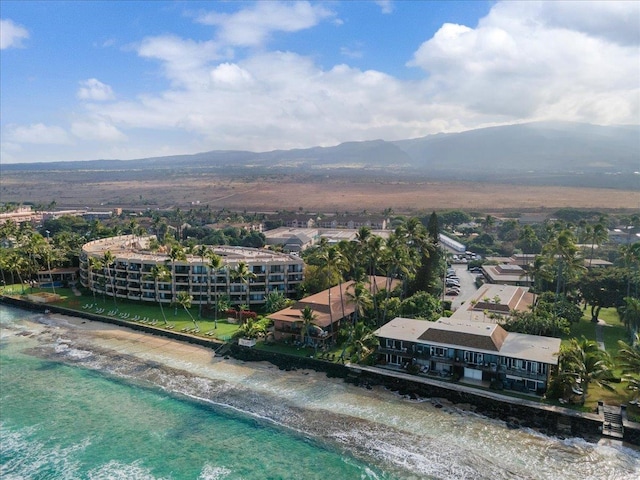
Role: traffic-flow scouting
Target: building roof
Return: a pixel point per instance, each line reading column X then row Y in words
column 476, row 336
column 506, row 273
column 326, row 304
column 473, row 335
column 509, row 298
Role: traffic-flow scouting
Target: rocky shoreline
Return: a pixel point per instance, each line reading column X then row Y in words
column 517, row 413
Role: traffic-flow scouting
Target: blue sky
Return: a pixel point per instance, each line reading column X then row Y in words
column 125, row 79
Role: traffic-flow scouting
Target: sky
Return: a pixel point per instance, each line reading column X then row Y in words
column 82, row 80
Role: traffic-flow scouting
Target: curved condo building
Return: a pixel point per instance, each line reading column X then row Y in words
column 129, row 274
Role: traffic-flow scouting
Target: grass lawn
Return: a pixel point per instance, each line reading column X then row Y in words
column 177, row 317
column 611, row 332
column 297, row 351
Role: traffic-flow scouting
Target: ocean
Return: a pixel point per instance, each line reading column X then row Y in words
column 81, row 399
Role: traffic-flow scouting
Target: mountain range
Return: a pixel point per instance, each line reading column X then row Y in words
column 556, row 153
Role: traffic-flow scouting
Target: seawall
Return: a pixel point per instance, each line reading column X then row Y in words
column 548, row 419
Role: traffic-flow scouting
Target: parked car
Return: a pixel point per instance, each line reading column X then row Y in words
column 452, row 292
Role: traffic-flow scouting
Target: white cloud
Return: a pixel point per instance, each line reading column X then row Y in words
column 94, row 90
column 253, row 25
column 38, row 133
column 385, row 5
column 99, row 130
column 512, row 67
column 185, row 61
column 11, row 34
column 518, row 64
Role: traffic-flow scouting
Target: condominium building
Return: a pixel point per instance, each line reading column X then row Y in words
column 129, row 275
column 476, row 352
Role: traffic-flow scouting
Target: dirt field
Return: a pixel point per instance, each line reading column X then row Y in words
column 73, row 189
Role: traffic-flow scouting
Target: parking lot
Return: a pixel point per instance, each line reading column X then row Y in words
column 467, row 286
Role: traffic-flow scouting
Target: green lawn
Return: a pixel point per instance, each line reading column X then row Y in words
column 176, row 317
column 298, row 351
column 612, row 332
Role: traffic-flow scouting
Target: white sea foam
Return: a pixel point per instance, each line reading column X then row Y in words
column 25, row 458
column 212, row 472
column 406, row 436
column 119, row 471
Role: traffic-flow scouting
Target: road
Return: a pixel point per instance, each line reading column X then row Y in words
column 467, row 286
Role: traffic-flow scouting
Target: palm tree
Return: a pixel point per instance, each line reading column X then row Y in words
column 175, row 254
column 20, row 265
column 361, row 299
column 582, row 362
column 184, row 300
column 362, row 342
column 334, row 263
column 214, row 264
column 94, row 264
column 631, row 260
column 201, row 251
column 159, row 273
column 596, row 235
column 631, row 314
column 308, row 318
column 629, row 361
column 107, row 260
column 252, row 328
column 243, row 273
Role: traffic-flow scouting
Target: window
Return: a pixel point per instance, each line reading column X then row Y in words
column 439, row 351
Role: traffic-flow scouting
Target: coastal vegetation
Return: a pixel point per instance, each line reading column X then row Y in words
column 571, row 294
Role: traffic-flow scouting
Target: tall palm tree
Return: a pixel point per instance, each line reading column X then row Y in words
column 631, row 314
column 243, row 273
column 107, row 261
column 20, row 264
column 94, row 265
column 214, row 264
column 596, row 235
column 334, row 263
column 629, row 361
column 175, row 254
column 361, row 299
column 159, row 273
column 184, row 300
column 308, row 318
column 201, row 251
column 631, row 261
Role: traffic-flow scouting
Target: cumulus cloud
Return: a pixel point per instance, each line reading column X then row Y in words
column 521, row 62
column 38, row 133
column 253, row 25
column 94, row 90
column 99, row 130
column 385, row 5
column 11, row 34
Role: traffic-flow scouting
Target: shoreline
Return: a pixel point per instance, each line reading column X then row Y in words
column 549, row 420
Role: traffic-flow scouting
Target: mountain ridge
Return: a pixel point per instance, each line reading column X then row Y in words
column 543, row 149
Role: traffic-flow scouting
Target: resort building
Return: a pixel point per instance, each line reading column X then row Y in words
column 507, row 274
column 473, row 352
column 330, row 310
column 130, row 274
column 493, row 302
column 292, row 239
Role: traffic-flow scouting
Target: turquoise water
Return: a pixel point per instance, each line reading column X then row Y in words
column 78, row 401
column 60, row 421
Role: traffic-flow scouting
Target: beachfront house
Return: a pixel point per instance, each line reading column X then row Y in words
column 474, row 352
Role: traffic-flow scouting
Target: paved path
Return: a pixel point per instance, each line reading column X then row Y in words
column 599, row 334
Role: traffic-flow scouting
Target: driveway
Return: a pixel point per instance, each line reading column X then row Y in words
column 467, row 286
